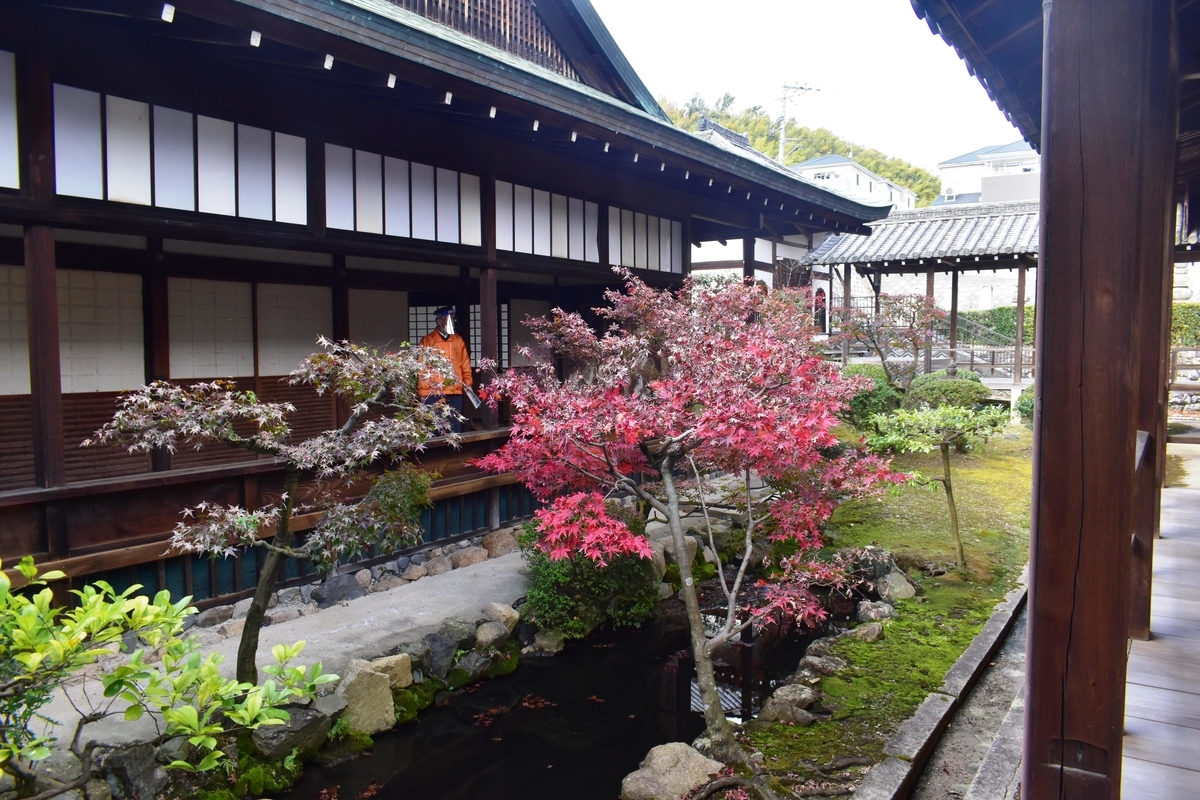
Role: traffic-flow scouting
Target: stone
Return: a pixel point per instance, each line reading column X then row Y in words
column 868, row 611
column 414, row 572
column 438, row 566
column 469, row 557
column 665, row 591
column 242, row 607
column 435, row 553
column 212, row 617
column 289, row 596
column 363, row 578
column 206, row 636
column 462, row 631
column 474, row 663
column 499, row 543
column 368, row 696
column 96, row 789
column 401, row 564
column 690, row 546
column 709, row 556
column 548, row 641
column 417, row 651
column 398, row 668
column 669, row 771
column 60, row 767
column 308, row 609
column 173, row 749
column 337, row 589
column 658, row 558
column 503, row 613
column 389, row 582
column 331, row 705
column 281, row 615
column 871, row 632
column 232, row 628
column 441, row 653
column 306, row 592
column 789, row 704
column 822, row 665
column 894, row 586
column 133, row 773
column 376, row 573
column 304, row 730
column 821, row 647
column 419, row 558
column 491, row 634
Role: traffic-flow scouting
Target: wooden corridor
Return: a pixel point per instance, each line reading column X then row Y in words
column 1162, row 703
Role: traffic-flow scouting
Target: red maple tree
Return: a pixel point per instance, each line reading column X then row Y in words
column 687, row 401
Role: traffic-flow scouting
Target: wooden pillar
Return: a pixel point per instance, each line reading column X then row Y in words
column 341, row 327
column 928, row 350
column 157, row 326
column 847, row 278
column 602, row 236
column 748, row 258
column 1019, row 353
column 1109, row 66
column 489, row 332
column 953, row 367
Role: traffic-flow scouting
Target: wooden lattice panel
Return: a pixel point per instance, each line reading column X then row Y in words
column 512, row 25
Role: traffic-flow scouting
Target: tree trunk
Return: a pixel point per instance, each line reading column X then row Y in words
column 247, row 671
column 959, row 555
column 724, row 745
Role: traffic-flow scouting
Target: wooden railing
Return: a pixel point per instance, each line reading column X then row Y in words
column 1184, row 360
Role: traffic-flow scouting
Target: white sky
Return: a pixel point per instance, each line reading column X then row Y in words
column 885, row 81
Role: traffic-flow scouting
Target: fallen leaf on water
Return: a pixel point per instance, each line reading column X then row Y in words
column 329, row 793
column 371, row 790
column 595, row 699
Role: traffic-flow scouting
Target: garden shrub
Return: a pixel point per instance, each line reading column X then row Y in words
column 1185, row 324
column 948, row 392
column 878, row 400
column 575, row 595
column 940, row 375
column 1025, row 404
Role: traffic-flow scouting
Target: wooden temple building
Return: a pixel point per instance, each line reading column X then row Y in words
column 198, row 189
column 1109, row 92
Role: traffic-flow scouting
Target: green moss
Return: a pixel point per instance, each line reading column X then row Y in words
column 672, row 577
column 505, row 660
column 405, row 703
column 252, row 777
column 457, row 678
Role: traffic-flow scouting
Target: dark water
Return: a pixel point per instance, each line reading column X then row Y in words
column 605, row 718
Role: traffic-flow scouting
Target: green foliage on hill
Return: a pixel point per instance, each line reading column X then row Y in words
column 803, row 142
column 1185, row 325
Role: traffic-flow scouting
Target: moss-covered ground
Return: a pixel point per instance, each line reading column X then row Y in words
column 888, row 679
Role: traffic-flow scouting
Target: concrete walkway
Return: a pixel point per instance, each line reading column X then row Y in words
column 369, row 627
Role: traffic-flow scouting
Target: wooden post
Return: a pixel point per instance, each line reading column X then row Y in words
column 748, row 258
column 157, row 326
column 952, row 369
column 847, row 275
column 602, row 235
column 1108, row 145
column 1019, row 353
column 341, row 327
column 928, row 350
column 489, row 333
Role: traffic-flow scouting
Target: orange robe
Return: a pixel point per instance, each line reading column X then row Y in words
column 455, row 350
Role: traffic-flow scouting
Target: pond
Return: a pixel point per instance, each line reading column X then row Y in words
column 570, row 726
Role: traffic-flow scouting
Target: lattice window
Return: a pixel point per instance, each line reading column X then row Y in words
column 421, row 321
column 512, row 25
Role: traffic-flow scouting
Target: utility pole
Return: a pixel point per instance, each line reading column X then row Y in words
column 788, row 91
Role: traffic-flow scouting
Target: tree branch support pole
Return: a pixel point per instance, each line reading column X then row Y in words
column 1108, row 155
column 952, row 367
column 1019, row 351
column 489, row 308
column 847, row 277
column 928, row 350
column 959, row 554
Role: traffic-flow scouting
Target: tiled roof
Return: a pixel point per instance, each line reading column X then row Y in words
column 823, row 161
column 949, row 231
column 1019, row 146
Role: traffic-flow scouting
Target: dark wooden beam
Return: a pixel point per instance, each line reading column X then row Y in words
column 748, row 257
column 1019, row 353
column 929, row 278
column 489, row 330
column 1108, row 143
column 954, row 320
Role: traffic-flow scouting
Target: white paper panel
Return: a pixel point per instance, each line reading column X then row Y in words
column 470, row 222
column 677, row 247
column 291, row 179
column 652, row 261
column 368, row 192
column 78, row 171
column 215, row 161
column 639, row 241
column 522, row 219
column 10, row 172
column 424, row 217
column 14, row 332
column 127, row 148
column 504, row 215
column 575, row 248
column 628, row 246
column 255, row 183
column 614, row 235
column 558, row 226
column 211, row 326
column 378, row 318
column 289, row 320
column 541, row 222
column 101, row 347
column 521, row 335
column 174, row 159
column 396, row 220
column 664, row 246
column 447, row 206
column 339, row 187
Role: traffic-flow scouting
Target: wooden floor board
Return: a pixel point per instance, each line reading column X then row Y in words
column 1161, row 743
column 1163, row 705
column 1146, row 780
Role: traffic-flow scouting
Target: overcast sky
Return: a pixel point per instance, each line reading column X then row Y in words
column 885, row 81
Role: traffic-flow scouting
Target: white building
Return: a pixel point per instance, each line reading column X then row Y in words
column 850, row 179
column 994, row 174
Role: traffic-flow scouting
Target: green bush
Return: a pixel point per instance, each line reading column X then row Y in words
column 1025, row 404
column 940, row 375
column 1002, row 320
column 1185, row 325
column 878, row 400
column 574, row 595
column 948, row 392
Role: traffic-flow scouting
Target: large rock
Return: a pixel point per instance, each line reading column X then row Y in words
column 414, row 572
column 441, row 653
column 548, row 641
column 363, row 576
column 281, row 615
column 368, row 697
column 439, row 565
column 389, row 582
column 670, row 771
column 658, row 558
column 871, row 632
column 212, row 617
column 469, row 556
column 690, row 545
column 490, row 634
column 503, row 613
column 474, row 664
column 337, row 589
column 305, row 730
column 822, row 665
column 462, row 631
column 417, row 651
column 894, row 586
column 499, row 543
column 133, row 773
column 398, row 668
column 331, row 705
column 874, row 612
column 790, row 704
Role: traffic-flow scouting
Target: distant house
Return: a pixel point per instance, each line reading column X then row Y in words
column 995, row 174
column 850, row 179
